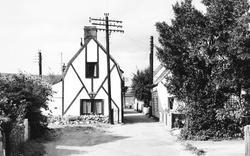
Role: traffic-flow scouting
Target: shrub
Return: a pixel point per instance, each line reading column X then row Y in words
column 31, row 148
column 22, row 97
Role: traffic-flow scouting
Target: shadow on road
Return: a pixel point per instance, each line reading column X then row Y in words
column 75, row 140
column 132, row 117
column 130, row 111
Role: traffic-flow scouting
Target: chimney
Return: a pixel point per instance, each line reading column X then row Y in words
column 90, row 32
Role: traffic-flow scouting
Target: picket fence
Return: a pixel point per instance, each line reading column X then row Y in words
column 19, row 134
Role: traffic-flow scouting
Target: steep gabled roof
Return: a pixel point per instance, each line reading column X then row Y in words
column 81, row 49
column 162, row 72
column 120, row 71
column 158, row 69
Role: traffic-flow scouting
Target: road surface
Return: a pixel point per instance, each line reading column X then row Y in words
column 139, row 136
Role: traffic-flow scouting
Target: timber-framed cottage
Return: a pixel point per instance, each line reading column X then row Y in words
column 84, row 89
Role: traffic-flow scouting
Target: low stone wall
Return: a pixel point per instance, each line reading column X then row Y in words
column 78, row 120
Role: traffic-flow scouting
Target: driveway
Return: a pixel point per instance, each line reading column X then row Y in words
column 139, row 136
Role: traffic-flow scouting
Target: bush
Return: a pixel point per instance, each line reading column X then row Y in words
column 31, row 148
column 230, row 132
column 23, row 97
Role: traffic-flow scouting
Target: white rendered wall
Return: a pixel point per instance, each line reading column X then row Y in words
column 72, row 84
column 55, row 106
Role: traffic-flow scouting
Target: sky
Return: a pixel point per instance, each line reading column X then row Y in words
column 56, row 26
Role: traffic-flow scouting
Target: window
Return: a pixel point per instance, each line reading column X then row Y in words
column 88, row 106
column 92, row 70
column 155, row 101
column 170, row 102
column 92, row 60
column 85, row 107
column 98, row 107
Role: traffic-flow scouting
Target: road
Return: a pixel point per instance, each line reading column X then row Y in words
column 139, row 136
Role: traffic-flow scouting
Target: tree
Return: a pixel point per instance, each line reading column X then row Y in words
column 140, row 85
column 208, row 57
column 22, row 97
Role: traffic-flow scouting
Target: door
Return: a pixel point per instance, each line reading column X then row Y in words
column 155, row 107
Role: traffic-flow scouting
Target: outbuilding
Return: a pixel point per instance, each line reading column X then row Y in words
column 164, row 105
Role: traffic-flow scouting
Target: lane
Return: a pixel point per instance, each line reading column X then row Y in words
column 139, row 136
column 133, row 117
column 143, row 137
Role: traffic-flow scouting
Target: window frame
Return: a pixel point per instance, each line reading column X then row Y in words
column 87, row 70
column 171, row 103
column 93, row 106
column 86, row 62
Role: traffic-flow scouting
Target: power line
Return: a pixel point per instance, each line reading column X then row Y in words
column 45, row 62
column 54, row 67
column 106, row 22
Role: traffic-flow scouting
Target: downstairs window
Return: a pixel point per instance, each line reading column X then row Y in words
column 91, row 106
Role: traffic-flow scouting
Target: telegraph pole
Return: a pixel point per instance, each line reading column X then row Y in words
column 40, row 63
column 151, row 59
column 151, row 68
column 108, row 23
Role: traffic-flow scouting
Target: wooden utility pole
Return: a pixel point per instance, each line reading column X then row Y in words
column 108, row 23
column 151, row 68
column 40, row 63
column 151, row 59
column 61, row 64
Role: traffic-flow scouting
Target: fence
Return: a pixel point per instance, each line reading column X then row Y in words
column 19, row 134
column 247, row 140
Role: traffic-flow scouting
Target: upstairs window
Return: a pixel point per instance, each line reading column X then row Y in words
column 170, row 102
column 92, row 60
column 92, row 70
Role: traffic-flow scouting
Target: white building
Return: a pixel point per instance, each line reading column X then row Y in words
column 84, row 87
column 164, row 105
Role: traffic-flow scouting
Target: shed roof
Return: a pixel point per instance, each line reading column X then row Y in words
column 160, row 73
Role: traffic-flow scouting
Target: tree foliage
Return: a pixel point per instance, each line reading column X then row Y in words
column 140, row 84
column 22, row 97
column 209, row 58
